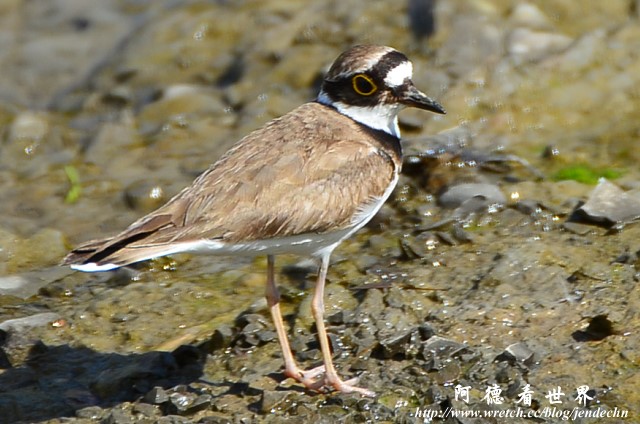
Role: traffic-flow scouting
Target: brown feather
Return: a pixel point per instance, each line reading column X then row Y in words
column 286, row 178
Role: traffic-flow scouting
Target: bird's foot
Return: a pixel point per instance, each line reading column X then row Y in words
column 307, row 378
column 348, row 386
column 317, row 380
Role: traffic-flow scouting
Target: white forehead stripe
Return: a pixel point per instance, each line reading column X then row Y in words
column 397, row 75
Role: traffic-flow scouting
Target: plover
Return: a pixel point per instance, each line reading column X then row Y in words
column 301, row 184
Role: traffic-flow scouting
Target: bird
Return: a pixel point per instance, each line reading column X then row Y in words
column 300, row 184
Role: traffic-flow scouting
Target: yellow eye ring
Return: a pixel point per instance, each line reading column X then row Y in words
column 363, row 85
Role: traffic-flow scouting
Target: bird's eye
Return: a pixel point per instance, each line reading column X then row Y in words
column 364, row 85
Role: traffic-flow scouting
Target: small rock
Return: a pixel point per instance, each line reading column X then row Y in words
column 529, row 15
column 609, row 204
column 144, row 195
column 156, row 396
column 517, row 352
column 395, row 344
column 439, row 347
column 22, row 324
column 526, row 45
column 145, row 409
column 180, row 402
column 266, row 336
column 457, row 195
column 117, row 416
column 187, row 403
column 28, row 125
column 28, row 284
column 90, row 412
column 271, row 399
column 426, row 331
column 222, row 337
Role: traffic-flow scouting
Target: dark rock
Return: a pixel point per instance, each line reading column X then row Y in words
column 528, row 206
column 180, row 402
column 460, row 235
column 449, row 372
column 201, row 403
column 505, row 374
column 265, row 336
column 438, row 348
column 336, row 319
column 252, row 325
column 222, row 337
column 156, row 396
column 435, row 394
column 517, row 352
column 443, row 347
column 395, row 345
column 410, row 249
column 271, row 400
column 184, row 402
column 426, row 331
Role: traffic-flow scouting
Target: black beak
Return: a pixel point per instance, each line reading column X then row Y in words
column 409, row 95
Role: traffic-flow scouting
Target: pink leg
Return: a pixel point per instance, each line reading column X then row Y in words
column 291, row 369
column 331, row 377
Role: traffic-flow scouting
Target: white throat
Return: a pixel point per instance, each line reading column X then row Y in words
column 383, row 117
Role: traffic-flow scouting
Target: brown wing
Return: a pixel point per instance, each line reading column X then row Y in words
column 296, row 175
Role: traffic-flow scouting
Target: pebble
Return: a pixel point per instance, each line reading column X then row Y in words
column 156, row 396
column 31, row 126
column 145, row 409
column 529, row 15
column 525, row 44
column 117, row 416
column 28, row 284
column 23, row 324
column 222, row 337
column 518, row 352
column 457, row 195
column 144, row 195
column 608, row 203
column 271, row 400
column 90, row 413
